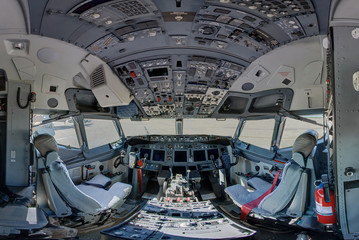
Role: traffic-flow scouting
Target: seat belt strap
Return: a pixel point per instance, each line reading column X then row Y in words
column 247, row 208
column 139, row 172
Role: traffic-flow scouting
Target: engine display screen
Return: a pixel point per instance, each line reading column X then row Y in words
column 158, row 155
column 157, row 72
column 180, row 156
column 199, row 155
column 214, row 153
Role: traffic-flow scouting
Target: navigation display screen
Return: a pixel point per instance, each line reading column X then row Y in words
column 158, row 155
column 213, row 152
column 180, row 156
column 199, row 155
column 145, row 153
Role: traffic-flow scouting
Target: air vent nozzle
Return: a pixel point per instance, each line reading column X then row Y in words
column 97, row 77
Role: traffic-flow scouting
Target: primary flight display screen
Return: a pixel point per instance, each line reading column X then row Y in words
column 158, row 155
column 180, row 156
column 213, row 152
column 199, row 155
column 145, row 153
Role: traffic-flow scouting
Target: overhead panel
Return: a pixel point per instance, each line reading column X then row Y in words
column 270, row 9
column 248, row 29
column 106, row 43
column 108, row 13
column 253, row 27
column 73, row 21
column 163, row 90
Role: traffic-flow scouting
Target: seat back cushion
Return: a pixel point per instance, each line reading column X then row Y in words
column 305, row 143
column 299, row 159
column 45, row 143
column 69, row 192
column 283, row 194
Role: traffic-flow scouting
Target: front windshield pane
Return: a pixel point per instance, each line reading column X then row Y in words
column 100, row 132
column 62, row 130
column 210, row 126
column 293, row 128
column 199, row 126
column 150, row 127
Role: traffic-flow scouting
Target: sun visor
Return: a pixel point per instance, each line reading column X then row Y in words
column 264, row 103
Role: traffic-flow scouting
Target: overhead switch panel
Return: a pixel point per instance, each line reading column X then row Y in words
column 110, row 13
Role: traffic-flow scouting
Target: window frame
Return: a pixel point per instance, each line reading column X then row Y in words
column 103, row 148
column 273, row 142
column 282, row 127
column 101, row 153
column 75, row 125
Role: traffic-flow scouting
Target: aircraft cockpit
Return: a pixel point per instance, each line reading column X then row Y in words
column 179, row 119
column 177, row 170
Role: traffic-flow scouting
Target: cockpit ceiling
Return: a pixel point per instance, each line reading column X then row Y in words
column 183, row 58
column 113, row 29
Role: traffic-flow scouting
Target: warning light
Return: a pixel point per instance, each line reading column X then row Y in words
column 133, row 74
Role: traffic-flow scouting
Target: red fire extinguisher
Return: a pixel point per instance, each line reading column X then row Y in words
column 325, row 205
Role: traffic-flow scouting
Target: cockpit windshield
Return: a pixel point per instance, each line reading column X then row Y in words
column 152, row 126
column 210, row 126
column 199, row 126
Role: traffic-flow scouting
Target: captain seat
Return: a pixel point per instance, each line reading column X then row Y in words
column 290, row 194
column 85, row 198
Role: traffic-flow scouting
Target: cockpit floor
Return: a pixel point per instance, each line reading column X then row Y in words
column 178, row 213
column 178, row 219
column 270, row 229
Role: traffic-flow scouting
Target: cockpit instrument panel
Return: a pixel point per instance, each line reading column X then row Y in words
column 176, row 152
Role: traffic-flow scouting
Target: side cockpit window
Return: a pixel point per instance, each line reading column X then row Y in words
column 293, row 128
column 258, row 132
column 100, row 132
column 63, row 130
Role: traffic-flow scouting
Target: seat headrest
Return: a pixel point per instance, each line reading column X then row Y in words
column 305, row 143
column 45, row 143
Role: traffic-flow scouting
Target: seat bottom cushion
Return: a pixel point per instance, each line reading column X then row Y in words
column 107, row 198
column 241, row 196
column 259, row 183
